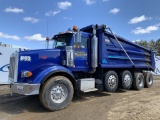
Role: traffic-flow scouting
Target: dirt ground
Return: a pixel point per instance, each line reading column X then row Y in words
column 121, row 105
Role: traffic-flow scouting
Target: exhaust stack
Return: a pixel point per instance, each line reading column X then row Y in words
column 94, row 51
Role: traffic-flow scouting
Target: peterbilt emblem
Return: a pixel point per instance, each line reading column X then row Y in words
column 25, row 58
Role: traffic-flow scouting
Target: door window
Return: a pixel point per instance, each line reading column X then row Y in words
column 84, row 42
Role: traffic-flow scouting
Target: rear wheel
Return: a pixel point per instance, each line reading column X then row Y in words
column 126, row 78
column 138, row 82
column 111, row 81
column 56, row 93
column 148, row 79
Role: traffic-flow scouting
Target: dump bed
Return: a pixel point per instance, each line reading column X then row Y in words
column 112, row 55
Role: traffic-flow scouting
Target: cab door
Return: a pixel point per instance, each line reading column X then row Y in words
column 82, row 53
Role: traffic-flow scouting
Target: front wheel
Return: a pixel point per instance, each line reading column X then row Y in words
column 111, row 81
column 56, row 93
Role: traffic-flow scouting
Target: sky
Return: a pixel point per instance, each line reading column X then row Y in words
column 26, row 23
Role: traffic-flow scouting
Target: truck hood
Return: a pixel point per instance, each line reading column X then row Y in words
column 38, row 60
column 34, row 58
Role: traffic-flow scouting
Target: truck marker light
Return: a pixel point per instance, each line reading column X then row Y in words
column 47, row 38
column 26, row 74
column 44, row 57
column 74, row 27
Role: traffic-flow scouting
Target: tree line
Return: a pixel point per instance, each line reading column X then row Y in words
column 152, row 44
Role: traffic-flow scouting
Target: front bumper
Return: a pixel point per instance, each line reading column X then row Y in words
column 25, row 89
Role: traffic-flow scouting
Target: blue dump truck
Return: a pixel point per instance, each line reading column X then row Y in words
column 87, row 59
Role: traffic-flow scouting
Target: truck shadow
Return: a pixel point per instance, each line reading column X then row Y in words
column 120, row 90
column 18, row 104
column 86, row 96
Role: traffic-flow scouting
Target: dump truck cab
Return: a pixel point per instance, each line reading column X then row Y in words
column 68, row 42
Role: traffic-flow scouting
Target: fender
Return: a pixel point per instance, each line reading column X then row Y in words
column 49, row 71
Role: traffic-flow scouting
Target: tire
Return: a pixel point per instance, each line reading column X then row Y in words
column 111, row 81
column 126, row 79
column 56, row 93
column 148, row 79
column 138, row 82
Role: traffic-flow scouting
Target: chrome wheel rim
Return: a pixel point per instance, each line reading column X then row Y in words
column 112, row 81
column 127, row 80
column 59, row 93
column 140, row 81
column 150, row 80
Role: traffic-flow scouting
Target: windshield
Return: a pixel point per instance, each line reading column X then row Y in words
column 62, row 40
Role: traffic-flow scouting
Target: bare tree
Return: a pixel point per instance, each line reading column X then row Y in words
column 142, row 43
column 153, row 45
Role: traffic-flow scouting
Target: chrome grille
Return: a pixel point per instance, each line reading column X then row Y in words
column 12, row 67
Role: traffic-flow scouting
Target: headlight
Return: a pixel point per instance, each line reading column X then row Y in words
column 26, row 74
